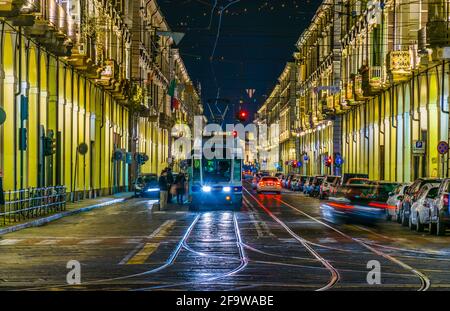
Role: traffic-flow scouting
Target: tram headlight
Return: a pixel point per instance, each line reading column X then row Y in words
column 226, row 189
column 152, row 190
column 206, row 189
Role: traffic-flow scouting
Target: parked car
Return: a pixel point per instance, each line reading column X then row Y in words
column 269, row 184
column 255, row 180
column 264, row 173
column 315, row 186
column 286, row 180
column 147, row 185
column 299, row 184
column 295, row 182
column 279, row 175
column 328, row 185
column 357, row 181
column 347, row 176
column 395, row 198
column 247, row 175
column 410, row 197
column 420, row 209
column 289, row 182
column 283, row 180
column 307, row 186
column 440, row 209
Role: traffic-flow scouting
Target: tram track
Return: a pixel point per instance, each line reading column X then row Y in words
column 334, row 274
column 170, row 261
column 424, row 280
column 181, row 245
column 243, row 259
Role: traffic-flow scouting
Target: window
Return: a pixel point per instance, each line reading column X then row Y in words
column 196, row 170
column 237, row 170
column 215, row 170
column 376, row 46
column 433, row 193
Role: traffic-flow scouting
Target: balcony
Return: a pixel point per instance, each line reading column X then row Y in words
column 11, row 8
column 165, row 121
column 399, row 65
column 53, row 27
column 109, row 74
column 371, row 81
column 327, row 106
column 358, row 92
column 349, row 91
column 122, row 91
column 84, row 61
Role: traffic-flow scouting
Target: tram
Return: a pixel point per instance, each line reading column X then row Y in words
column 216, row 181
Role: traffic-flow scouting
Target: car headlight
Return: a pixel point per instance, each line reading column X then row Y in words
column 206, row 189
column 226, row 189
column 152, row 190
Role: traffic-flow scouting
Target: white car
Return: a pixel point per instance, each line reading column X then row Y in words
column 395, row 198
column 420, row 210
column 269, row 184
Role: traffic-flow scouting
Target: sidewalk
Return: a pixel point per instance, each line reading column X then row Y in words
column 71, row 209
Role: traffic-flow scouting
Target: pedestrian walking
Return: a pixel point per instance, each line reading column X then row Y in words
column 170, row 182
column 180, row 185
column 163, row 190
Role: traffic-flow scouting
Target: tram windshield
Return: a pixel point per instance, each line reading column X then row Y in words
column 216, row 170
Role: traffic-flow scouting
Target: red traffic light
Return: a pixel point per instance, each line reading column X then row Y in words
column 328, row 161
column 242, row 115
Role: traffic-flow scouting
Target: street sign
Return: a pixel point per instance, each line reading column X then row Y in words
column 443, row 147
column 83, row 148
column 419, row 147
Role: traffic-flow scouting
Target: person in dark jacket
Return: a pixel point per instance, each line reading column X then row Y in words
column 170, row 182
column 163, row 189
column 180, row 185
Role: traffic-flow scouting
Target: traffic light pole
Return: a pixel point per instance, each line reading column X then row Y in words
column 72, row 191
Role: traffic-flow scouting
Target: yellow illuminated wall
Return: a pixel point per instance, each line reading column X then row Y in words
column 63, row 100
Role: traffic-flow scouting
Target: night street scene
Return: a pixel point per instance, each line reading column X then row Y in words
column 214, row 146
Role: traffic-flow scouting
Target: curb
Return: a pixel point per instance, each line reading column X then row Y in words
column 42, row 221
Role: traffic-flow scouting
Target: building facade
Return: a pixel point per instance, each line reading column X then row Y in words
column 83, row 74
column 372, row 89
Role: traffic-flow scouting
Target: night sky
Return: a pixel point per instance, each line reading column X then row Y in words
column 257, row 38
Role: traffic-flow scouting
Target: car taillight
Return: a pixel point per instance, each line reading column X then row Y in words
column 381, row 205
column 261, row 183
column 340, row 205
column 445, row 199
